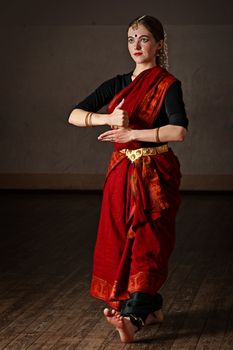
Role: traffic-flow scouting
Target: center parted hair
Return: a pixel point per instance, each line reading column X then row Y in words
column 152, row 24
column 156, row 28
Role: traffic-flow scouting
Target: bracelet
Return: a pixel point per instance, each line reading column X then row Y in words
column 88, row 119
column 157, row 139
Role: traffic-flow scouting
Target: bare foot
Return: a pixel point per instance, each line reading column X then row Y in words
column 110, row 313
column 122, row 324
column 155, row 317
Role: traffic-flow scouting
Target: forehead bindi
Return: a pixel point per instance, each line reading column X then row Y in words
column 137, row 31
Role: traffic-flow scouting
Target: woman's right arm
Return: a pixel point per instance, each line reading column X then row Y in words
column 78, row 116
column 93, row 103
column 118, row 117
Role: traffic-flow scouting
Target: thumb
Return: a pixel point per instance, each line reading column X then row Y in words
column 120, row 104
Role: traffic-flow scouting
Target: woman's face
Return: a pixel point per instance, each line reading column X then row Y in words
column 142, row 45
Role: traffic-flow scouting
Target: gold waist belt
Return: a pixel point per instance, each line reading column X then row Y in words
column 134, row 154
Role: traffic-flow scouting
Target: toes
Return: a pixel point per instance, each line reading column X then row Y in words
column 106, row 312
column 110, row 313
column 115, row 312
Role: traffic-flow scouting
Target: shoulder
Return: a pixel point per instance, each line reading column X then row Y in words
column 175, row 106
column 174, row 97
column 175, row 89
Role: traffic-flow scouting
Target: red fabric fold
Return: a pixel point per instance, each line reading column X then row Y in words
column 143, row 99
column 136, row 232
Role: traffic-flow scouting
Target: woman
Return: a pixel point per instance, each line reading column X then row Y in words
column 136, row 232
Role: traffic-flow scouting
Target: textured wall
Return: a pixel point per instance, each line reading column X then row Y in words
column 46, row 69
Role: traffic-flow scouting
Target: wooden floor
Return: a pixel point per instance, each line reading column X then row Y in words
column 47, row 241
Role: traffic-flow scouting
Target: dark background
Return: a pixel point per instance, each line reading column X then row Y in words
column 55, row 53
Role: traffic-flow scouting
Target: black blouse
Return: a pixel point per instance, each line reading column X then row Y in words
column 172, row 110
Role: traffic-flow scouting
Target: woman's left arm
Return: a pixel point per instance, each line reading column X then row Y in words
column 174, row 130
column 165, row 133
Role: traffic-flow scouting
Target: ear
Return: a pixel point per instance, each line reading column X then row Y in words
column 161, row 43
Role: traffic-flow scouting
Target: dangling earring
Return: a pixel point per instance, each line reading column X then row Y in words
column 164, row 55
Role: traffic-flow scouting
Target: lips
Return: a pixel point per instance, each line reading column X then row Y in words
column 137, row 53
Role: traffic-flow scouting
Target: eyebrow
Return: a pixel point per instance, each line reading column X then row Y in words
column 131, row 36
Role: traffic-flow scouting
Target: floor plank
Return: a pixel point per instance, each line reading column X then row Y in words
column 47, row 242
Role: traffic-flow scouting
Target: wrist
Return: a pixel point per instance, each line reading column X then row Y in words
column 107, row 119
column 157, row 138
column 101, row 119
column 133, row 135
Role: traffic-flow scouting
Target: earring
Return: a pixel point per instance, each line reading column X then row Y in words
column 159, row 52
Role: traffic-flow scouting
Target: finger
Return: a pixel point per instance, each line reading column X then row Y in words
column 109, row 133
column 107, row 139
column 120, row 104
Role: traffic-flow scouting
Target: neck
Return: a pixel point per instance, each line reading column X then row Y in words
column 141, row 67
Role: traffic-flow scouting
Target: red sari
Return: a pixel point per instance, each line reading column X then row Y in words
column 136, row 232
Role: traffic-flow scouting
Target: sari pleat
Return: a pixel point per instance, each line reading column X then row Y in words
column 136, row 231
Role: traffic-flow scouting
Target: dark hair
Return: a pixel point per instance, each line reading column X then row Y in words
column 152, row 24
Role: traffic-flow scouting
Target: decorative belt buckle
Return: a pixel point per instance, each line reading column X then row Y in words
column 134, row 154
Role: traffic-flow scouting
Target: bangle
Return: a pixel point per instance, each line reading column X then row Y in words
column 88, row 119
column 157, row 139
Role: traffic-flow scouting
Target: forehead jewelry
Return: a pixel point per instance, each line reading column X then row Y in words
column 135, row 25
column 139, row 19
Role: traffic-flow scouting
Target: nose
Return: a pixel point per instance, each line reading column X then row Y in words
column 137, row 45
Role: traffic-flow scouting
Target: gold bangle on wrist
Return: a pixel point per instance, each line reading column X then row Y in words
column 157, row 139
column 158, row 136
column 88, row 119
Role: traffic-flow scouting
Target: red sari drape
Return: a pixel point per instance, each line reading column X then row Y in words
column 136, row 232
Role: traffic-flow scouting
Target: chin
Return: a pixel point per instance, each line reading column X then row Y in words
column 139, row 60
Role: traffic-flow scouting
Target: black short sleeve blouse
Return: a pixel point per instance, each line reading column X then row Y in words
column 172, row 110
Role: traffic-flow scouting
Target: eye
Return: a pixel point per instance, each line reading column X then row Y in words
column 130, row 40
column 144, row 40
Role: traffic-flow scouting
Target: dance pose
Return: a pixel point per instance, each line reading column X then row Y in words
column 136, row 231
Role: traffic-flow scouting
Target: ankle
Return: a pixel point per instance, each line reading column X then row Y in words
column 136, row 321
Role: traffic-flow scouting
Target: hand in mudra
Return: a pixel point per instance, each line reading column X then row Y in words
column 119, row 117
column 121, row 135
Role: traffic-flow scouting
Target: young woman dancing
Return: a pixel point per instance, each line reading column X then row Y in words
column 136, row 232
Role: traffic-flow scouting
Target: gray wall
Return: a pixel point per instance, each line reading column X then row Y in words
column 52, row 59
